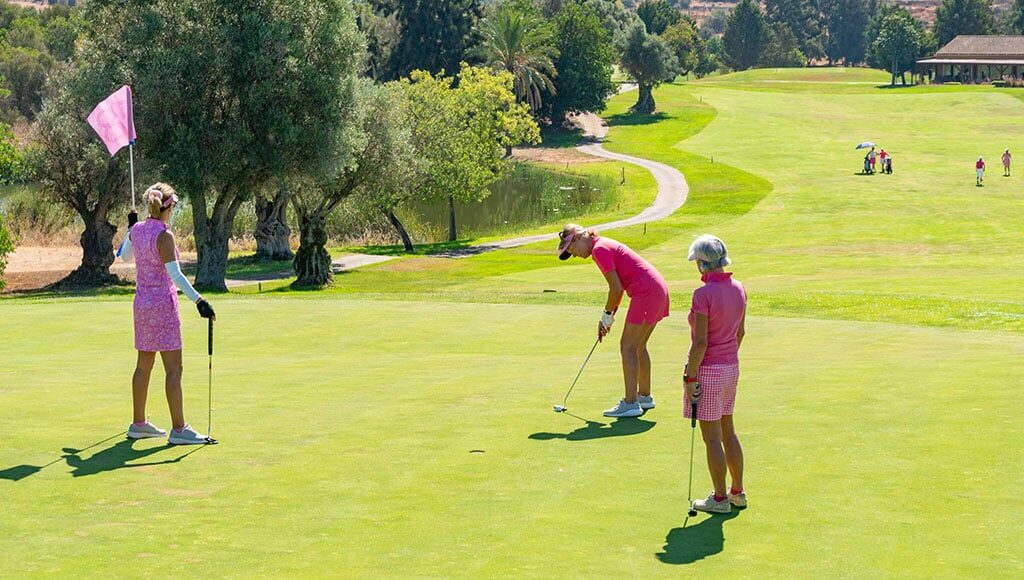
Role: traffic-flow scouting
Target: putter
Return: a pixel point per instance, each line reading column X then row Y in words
column 209, row 386
column 562, row 408
column 693, row 430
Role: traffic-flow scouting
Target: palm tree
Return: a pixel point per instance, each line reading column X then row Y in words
column 521, row 44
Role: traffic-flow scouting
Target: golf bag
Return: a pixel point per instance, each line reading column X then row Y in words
column 888, row 165
column 867, row 166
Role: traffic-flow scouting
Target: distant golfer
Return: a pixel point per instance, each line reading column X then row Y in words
column 883, row 157
column 157, row 326
column 872, row 156
column 1007, row 158
column 625, row 271
column 979, row 172
column 717, row 319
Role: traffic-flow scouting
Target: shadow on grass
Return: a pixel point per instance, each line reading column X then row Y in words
column 559, row 138
column 117, row 456
column 686, row 545
column 598, row 430
column 632, row 119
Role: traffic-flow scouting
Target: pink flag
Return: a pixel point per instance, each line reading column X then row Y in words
column 113, row 120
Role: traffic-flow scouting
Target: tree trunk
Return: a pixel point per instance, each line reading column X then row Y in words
column 97, row 255
column 893, row 83
column 212, row 235
column 312, row 262
column 451, row 219
column 508, row 151
column 272, row 232
column 645, row 104
column 406, row 241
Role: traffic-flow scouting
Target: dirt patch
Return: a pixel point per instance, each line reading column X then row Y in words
column 550, row 155
column 32, row 267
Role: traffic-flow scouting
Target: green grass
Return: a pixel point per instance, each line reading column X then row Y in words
column 879, row 407
column 871, row 457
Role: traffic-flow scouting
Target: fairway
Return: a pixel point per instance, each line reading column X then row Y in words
column 400, row 423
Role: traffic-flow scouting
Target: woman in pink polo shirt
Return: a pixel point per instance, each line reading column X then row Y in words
column 626, row 272
column 717, row 320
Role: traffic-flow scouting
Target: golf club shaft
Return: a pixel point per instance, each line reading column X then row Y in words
column 209, row 384
column 689, row 492
column 585, row 361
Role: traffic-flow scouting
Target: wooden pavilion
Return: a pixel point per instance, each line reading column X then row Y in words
column 975, row 59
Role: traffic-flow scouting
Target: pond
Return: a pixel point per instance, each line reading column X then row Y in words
column 528, row 196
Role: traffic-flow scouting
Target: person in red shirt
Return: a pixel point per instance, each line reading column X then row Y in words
column 717, row 326
column 979, row 172
column 626, row 272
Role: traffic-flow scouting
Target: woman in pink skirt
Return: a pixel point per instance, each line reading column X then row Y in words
column 626, row 272
column 157, row 326
column 717, row 319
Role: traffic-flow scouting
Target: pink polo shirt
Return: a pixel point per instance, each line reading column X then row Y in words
column 636, row 274
column 723, row 300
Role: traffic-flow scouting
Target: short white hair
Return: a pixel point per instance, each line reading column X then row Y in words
column 709, row 251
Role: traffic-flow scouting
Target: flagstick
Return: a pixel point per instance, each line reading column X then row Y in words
column 131, row 164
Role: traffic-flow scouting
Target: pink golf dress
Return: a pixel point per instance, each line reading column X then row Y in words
column 646, row 288
column 157, row 325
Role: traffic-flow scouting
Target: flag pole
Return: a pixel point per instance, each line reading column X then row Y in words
column 131, row 165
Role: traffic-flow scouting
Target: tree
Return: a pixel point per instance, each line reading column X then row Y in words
column 615, row 17
column 435, row 35
column 781, row 48
column 459, row 131
column 847, row 22
column 232, row 95
column 1014, row 19
column 585, row 58
column 711, row 57
column 686, row 43
column 60, row 36
column 25, row 69
column 520, row 43
column 746, row 35
column 378, row 159
column 801, row 19
column 714, row 24
column 76, row 170
column 12, row 164
column 658, row 15
column 6, row 247
column 956, row 17
column 382, row 35
column 898, row 42
column 649, row 61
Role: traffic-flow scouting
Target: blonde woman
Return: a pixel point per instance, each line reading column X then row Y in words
column 626, row 272
column 717, row 326
column 157, row 324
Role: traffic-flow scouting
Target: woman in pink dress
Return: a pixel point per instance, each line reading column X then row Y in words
column 157, row 325
column 1007, row 158
column 626, row 272
column 717, row 326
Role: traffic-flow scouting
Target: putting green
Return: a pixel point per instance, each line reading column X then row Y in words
column 347, row 444
column 400, row 424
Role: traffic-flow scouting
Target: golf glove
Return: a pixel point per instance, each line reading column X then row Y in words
column 607, row 320
column 205, row 310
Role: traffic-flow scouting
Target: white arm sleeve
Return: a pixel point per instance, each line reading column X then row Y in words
column 126, row 252
column 179, row 279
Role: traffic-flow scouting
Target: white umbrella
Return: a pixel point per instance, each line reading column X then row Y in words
column 865, row 145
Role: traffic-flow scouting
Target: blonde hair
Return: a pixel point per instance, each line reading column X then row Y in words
column 576, row 230
column 159, row 197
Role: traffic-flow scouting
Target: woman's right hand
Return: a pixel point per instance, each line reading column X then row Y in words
column 692, row 391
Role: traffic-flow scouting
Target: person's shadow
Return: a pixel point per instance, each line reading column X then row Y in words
column 686, row 545
column 117, row 456
column 598, row 430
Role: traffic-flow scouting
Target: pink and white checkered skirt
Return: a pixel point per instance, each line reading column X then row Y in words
column 718, row 392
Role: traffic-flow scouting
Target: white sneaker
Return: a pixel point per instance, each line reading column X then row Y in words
column 711, row 506
column 645, row 402
column 738, row 500
column 145, row 431
column 624, row 409
column 187, row 436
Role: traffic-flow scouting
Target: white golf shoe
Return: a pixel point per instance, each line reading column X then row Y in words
column 738, row 500
column 711, row 506
column 145, row 431
column 187, row 436
column 624, row 409
column 646, row 402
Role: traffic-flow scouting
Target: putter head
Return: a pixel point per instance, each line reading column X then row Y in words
column 210, row 441
column 561, row 408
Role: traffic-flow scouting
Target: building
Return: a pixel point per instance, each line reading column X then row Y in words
column 975, row 59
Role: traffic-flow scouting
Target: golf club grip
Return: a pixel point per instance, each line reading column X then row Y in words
column 693, row 406
column 209, row 341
